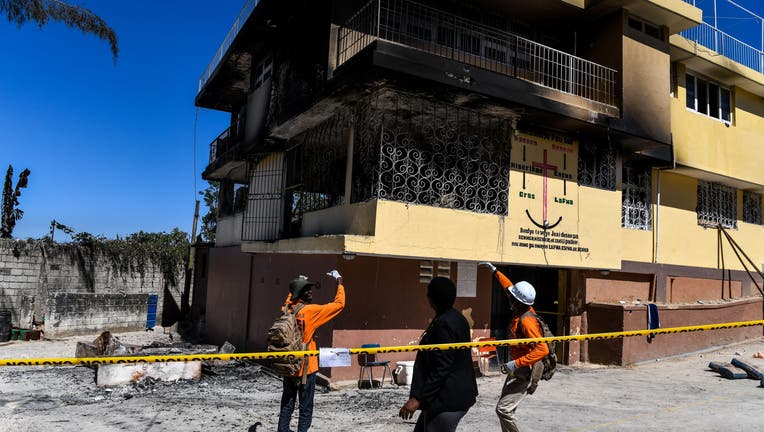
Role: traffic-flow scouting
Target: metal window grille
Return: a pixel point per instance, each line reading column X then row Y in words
column 425, row 152
column 467, row 41
column 316, row 170
column 717, row 205
column 636, row 209
column 752, row 207
column 597, row 165
column 264, row 211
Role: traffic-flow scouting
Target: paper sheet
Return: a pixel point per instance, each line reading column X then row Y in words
column 466, row 282
column 333, row 357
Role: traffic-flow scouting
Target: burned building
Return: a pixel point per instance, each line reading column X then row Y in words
column 399, row 140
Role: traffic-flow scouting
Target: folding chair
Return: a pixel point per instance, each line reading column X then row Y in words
column 367, row 362
column 485, row 353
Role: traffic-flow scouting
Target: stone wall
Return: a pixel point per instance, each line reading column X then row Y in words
column 78, row 291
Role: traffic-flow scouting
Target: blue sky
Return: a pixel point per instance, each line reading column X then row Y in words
column 735, row 21
column 111, row 148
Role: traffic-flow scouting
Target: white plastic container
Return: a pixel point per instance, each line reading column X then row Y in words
column 404, row 372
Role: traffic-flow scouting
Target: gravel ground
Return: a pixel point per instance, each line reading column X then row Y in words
column 672, row 394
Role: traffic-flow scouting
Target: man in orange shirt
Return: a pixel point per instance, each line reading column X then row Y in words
column 525, row 358
column 310, row 317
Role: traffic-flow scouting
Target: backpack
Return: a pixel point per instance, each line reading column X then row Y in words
column 550, row 360
column 286, row 335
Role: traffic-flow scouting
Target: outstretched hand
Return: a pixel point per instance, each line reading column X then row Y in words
column 488, row 265
column 334, row 274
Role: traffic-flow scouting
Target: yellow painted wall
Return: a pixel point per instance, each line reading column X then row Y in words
column 637, row 244
column 707, row 144
column 681, row 241
column 416, row 230
column 645, row 108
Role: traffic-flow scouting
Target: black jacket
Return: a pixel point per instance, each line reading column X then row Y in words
column 445, row 380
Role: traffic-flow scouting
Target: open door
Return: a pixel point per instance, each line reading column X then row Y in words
column 550, row 292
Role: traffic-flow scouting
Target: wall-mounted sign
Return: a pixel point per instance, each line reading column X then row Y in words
column 545, row 194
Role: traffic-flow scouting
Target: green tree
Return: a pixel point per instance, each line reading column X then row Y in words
column 43, row 11
column 210, row 219
column 11, row 211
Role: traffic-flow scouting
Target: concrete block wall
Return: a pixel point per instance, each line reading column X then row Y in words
column 76, row 313
column 39, row 278
column 19, row 278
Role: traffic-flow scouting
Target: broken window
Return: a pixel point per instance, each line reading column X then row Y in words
column 717, row 205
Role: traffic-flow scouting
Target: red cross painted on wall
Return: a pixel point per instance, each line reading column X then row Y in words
column 545, row 166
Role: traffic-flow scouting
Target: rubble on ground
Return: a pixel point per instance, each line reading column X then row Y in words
column 109, row 375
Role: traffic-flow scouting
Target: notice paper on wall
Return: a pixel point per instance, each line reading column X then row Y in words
column 333, row 357
column 466, row 281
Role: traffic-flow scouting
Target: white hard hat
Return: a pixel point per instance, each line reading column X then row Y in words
column 523, row 292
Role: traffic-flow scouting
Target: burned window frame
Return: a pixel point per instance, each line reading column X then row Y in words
column 420, row 151
column 636, row 198
column 597, row 165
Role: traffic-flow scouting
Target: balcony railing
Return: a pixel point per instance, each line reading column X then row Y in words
column 244, row 14
column 726, row 45
column 220, row 145
column 447, row 35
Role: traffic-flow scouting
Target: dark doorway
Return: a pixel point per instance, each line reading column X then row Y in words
column 544, row 280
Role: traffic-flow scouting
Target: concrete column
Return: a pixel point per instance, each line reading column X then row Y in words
column 349, row 163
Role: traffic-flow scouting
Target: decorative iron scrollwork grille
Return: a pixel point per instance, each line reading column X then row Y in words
column 636, row 209
column 597, row 165
column 752, row 207
column 717, row 205
column 433, row 154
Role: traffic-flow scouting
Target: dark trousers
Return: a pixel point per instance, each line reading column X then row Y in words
column 294, row 388
column 446, row 421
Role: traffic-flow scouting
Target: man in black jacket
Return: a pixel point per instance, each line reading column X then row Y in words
column 443, row 386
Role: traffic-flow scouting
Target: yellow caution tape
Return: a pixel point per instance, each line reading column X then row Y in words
column 71, row 361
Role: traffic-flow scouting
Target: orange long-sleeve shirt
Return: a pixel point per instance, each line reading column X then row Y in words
column 313, row 316
column 524, row 355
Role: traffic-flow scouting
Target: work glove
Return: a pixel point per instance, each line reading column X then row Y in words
column 489, row 265
column 510, row 367
column 335, row 275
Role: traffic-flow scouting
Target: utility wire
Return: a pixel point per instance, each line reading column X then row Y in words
column 196, row 120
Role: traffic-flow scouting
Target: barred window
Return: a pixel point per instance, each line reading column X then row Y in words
column 752, row 208
column 410, row 149
column 636, row 208
column 717, row 205
column 596, row 165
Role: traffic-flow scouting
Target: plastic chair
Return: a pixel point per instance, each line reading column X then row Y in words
column 485, row 353
column 367, row 362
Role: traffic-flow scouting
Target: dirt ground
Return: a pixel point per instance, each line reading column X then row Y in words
column 671, row 394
